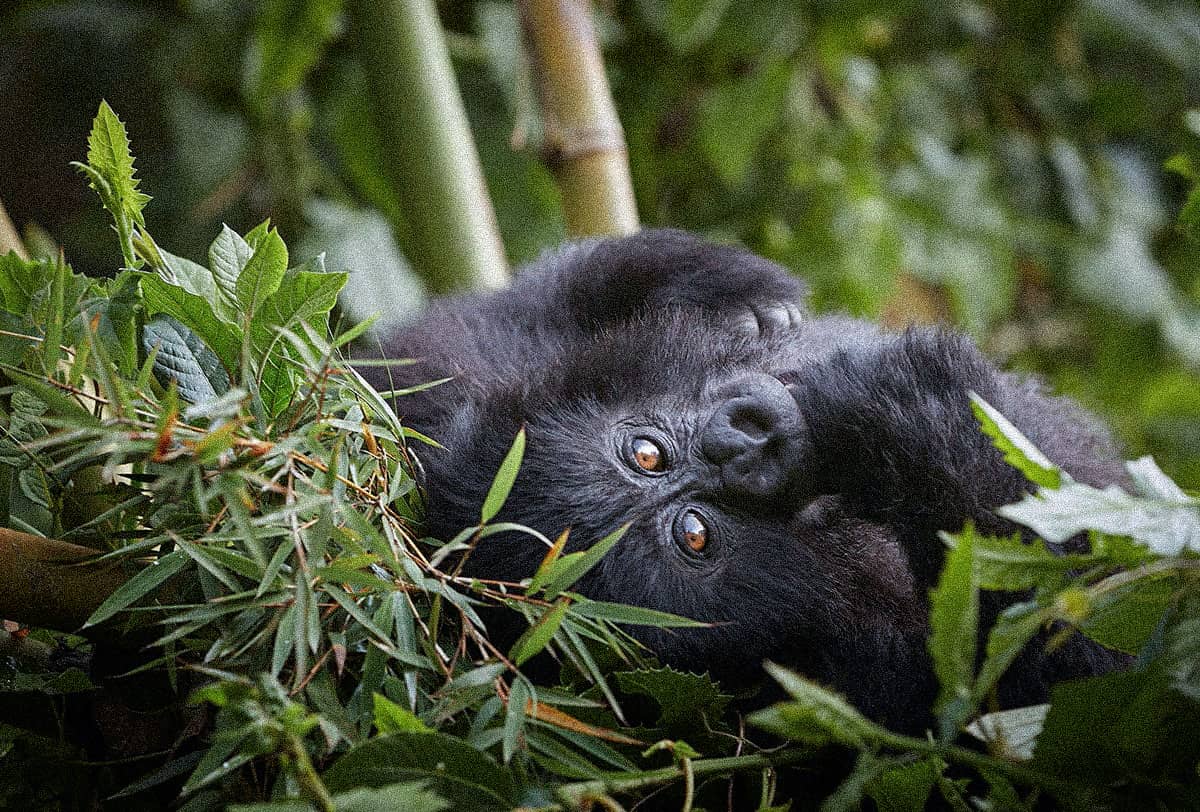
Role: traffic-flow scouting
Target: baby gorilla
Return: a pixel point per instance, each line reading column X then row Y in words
column 785, row 476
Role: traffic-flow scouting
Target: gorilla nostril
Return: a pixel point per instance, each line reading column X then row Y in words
column 753, row 436
column 753, row 421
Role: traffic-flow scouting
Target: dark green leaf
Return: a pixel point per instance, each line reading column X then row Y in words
column 137, row 587
column 470, row 780
column 538, row 636
column 182, row 357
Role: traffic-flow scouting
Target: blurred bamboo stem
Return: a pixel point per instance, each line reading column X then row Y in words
column 52, row 584
column 452, row 237
column 10, row 239
column 584, row 144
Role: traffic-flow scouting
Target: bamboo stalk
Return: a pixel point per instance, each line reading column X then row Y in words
column 10, row 239
column 584, row 144
column 454, row 240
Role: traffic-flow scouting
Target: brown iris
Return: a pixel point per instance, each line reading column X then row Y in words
column 692, row 532
column 648, row 455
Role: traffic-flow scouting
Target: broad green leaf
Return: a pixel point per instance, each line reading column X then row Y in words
column 262, row 275
column 1015, row 446
column 1124, row 619
column 1012, row 564
column 393, row 718
column 537, row 636
column 1010, row 734
column 182, row 357
column 196, row 314
column 906, row 787
column 410, row 796
column 504, row 479
column 1166, row 526
column 137, row 587
column 20, row 280
column 227, row 256
column 953, row 619
column 470, row 780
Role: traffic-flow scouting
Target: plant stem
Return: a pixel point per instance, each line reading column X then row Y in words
column 584, row 145
column 453, row 240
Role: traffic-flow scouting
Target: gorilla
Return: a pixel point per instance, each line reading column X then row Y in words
column 784, row 475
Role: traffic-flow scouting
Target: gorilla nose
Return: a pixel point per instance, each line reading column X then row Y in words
column 755, row 437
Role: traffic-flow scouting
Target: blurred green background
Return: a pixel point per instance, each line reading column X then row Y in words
column 1019, row 164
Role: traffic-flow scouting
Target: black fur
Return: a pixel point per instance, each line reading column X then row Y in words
column 822, row 563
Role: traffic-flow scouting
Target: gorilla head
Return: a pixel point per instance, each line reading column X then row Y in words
column 783, row 476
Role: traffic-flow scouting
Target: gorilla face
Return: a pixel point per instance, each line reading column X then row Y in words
column 700, row 446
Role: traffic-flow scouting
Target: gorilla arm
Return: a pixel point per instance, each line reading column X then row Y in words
column 895, row 436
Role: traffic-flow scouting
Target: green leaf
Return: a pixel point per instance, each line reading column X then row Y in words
column 137, row 587
column 633, row 615
column 1010, row 734
column 110, row 172
column 538, row 636
column 410, row 796
column 184, row 358
column 688, row 704
column 392, row 718
column 815, row 715
column 520, row 696
column 195, row 313
column 1015, row 628
column 1167, row 527
column 504, row 479
column 1012, row 564
column 907, row 787
column 262, row 275
column 470, row 780
column 1015, row 446
column 953, row 619
column 565, row 571
column 227, row 257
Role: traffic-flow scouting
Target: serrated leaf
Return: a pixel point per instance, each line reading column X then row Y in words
column 506, row 475
column 537, row 636
column 137, row 587
column 110, row 155
column 262, row 275
column 953, row 620
column 182, row 357
column 1167, row 527
column 687, row 703
column 1018, row 451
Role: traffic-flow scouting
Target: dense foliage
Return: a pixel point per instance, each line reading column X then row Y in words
column 1000, row 164
column 198, row 422
column 1006, row 156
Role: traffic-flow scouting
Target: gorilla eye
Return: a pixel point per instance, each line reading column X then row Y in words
column 648, row 455
column 691, row 531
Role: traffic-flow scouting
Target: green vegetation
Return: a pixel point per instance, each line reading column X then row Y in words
column 264, row 624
